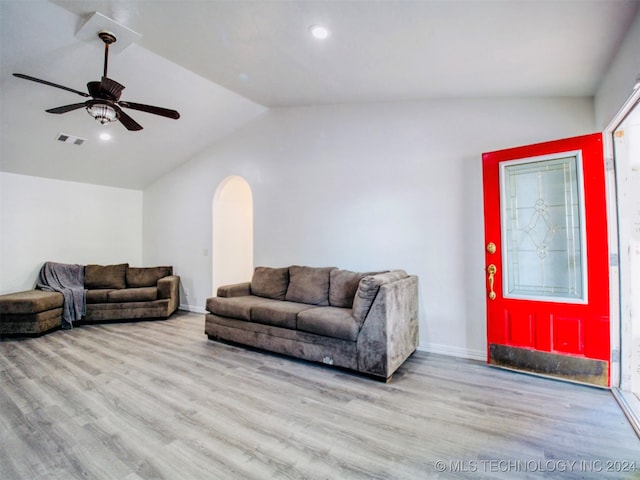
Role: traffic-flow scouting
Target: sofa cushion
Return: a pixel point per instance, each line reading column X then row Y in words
column 279, row 314
column 139, row 294
column 146, row 276
column 368, row 289
column 309, row 285
column 332, row 322
column 235, row 307
column 100, row 295
column 29, row 301
column 343, row 285
column 32, row 324
column 270, row 282
column 109, row 276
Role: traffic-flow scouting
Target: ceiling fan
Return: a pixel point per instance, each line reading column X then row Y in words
column 105, row 104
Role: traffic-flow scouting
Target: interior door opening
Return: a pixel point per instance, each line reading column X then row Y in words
column 232, row 233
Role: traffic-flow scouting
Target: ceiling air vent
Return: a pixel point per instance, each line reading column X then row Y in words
column 66, row 138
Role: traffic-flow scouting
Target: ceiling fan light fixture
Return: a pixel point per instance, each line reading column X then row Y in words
column 102, row 113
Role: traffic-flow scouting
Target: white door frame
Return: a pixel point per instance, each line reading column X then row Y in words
column 629, row 403
column 614, row 245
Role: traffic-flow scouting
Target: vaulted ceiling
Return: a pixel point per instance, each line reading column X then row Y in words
column 222, row 63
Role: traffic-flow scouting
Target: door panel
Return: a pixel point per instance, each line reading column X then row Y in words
column 522, row 329
column 547, row 259
column 568, row 335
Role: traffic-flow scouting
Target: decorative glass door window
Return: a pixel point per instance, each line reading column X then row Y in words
column 542, row 222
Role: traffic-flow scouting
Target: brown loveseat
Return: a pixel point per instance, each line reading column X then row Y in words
column 118, row 292
column 363, row 322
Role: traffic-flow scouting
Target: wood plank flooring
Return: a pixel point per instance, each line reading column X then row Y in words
column 158, row 400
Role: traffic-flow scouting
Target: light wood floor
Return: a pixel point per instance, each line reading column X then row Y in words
column 159, row 400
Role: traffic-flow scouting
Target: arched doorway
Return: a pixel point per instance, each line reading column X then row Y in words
column 232, row 235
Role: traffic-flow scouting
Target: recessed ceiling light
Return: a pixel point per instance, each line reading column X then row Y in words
column 105, row 136
column 319, row 32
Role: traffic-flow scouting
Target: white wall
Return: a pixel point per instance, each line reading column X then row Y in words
column 618, row 82
column 362, row 187
column 52, row 220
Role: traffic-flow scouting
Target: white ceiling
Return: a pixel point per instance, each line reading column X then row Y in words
column 218, row 62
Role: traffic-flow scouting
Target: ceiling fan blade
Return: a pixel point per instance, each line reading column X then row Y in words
column 164, row 112
column 66, row 108
column 111, row 88
column 127, row 121
column 51, row 84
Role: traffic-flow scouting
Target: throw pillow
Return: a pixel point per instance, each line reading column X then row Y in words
column 109, row 276
column 309, row 285
column 270, row 282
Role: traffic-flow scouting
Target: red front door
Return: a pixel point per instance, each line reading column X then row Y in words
column 546, row 251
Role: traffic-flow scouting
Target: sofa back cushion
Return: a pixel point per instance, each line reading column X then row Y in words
column 309, row 285
column 270, row 282
column 368, row 289
column 109, row 276
column 343, row 285
column 146, row 276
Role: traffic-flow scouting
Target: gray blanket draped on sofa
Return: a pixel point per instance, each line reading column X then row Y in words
column 68, row 280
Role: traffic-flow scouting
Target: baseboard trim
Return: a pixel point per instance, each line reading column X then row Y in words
column 192, row 308
column 454, row 351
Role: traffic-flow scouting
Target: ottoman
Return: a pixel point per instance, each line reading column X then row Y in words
column 30, row 313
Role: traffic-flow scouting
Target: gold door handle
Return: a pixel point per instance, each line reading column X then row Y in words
column 491, row 270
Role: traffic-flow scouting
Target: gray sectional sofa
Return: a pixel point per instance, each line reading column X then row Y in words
column 367, row 322
column 112, row 293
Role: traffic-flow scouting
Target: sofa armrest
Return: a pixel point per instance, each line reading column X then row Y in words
column 169, row 287
column 389, row 334
column 235, row 290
